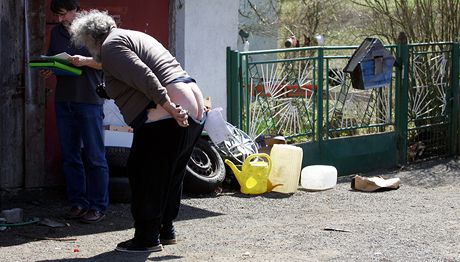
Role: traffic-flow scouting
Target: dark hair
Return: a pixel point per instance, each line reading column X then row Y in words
column 57, row 5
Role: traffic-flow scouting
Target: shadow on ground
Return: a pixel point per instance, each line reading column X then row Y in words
column 52, row 204
column 114, row 256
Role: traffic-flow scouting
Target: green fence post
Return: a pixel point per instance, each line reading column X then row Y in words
column 455, row 96
column 402, row 98
column 233, row 88
column 229, row 83
column 320, row 80
column 246, row 96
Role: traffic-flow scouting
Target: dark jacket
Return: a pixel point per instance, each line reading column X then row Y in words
column 79, row 89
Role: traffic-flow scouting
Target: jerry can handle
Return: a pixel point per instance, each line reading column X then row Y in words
column 261, row 155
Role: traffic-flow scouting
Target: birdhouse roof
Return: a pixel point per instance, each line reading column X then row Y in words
column 369, row 48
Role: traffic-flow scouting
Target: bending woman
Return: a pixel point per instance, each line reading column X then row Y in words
column 165, row 107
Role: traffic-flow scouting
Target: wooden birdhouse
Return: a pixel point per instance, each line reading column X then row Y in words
column 371, row 65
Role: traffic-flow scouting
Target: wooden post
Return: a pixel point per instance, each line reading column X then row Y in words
column 34, row 114
column 402, row 99
column 402, row 38
column 21, row 95
column 11, row 95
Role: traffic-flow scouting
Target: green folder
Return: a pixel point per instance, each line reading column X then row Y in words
column 57, row 67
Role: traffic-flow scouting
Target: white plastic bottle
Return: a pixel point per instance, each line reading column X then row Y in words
column 318, row 177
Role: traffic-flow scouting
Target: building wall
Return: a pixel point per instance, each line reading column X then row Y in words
column 202, row 33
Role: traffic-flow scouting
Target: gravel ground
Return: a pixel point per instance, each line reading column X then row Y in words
column 417, row 222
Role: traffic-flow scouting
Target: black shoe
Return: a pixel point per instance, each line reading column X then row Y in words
column 132, row 246
column 76, row 213
column 168, row 234
column 92, row 216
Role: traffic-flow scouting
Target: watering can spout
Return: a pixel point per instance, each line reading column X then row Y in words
column 235, row 170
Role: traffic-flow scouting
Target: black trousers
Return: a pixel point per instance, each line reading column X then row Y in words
column 156, row 169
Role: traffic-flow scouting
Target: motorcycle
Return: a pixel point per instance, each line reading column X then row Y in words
column 205, row 171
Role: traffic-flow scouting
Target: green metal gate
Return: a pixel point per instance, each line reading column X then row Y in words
column 303, row 94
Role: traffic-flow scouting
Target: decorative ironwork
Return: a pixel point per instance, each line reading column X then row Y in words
column 304, row 95
column 281, row 97
column 428, row 101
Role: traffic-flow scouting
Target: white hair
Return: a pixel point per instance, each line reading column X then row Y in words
column 94, row 24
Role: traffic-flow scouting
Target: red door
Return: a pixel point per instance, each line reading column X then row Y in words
column 150, row 17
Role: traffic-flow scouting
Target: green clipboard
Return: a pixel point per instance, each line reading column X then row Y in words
column 57, row 67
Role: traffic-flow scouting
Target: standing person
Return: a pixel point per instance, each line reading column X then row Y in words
column 164, row 106
column 79, row 115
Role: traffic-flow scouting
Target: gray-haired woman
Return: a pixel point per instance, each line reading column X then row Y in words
column 164, row 106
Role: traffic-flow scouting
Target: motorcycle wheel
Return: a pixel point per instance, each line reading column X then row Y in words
column 117, row 158
column 205, row 170
column 119, row 190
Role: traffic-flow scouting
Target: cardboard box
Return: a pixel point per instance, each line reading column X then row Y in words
column 119, row 128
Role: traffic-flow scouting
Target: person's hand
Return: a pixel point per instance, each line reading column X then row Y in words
column 45, row 73
column 78, row 60
column 177, row 112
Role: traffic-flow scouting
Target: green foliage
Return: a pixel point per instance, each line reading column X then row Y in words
column 421, row 20
column 347, row 22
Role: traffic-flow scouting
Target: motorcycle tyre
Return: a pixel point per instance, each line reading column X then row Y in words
column 204, row 179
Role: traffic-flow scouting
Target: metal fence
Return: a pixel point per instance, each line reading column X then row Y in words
column 304, row 95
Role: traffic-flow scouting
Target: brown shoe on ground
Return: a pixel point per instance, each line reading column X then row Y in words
column 92, row 216
column 76, row 213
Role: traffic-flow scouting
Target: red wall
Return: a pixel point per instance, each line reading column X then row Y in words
column 150, row 17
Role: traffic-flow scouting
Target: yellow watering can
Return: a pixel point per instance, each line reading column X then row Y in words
column 253, row 178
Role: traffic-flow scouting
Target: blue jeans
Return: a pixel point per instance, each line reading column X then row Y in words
column 81, row 124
